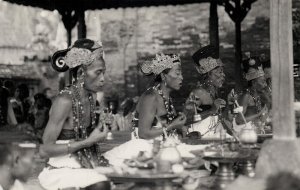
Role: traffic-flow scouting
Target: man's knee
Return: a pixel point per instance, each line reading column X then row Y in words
column 104, row 185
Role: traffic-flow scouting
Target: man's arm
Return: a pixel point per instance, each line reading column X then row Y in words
column 59, row 112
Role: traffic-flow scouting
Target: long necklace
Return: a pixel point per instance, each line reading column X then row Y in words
column 257, row 101
column 85, row 155
column 171, row 112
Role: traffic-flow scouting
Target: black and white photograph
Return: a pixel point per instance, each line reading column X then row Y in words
column 149, row 94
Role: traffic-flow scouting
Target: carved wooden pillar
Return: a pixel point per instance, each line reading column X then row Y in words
column 237, row 11
column 282, row 69
column 81, row 24
column 69, row 18
column 282, row 153
column 214, row 25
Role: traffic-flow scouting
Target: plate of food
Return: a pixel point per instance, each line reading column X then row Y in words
column 192, row 163
column 134, row 163
column 142, row 161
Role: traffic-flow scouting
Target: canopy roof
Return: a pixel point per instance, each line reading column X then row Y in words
column 99, row 4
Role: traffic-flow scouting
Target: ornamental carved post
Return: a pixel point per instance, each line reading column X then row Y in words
column 237, row 11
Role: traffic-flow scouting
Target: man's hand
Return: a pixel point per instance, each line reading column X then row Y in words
column 97, row 135
column 179, row 121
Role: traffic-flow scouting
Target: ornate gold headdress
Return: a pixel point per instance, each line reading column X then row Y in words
column 159, row 64
column 208, row 64
column 254, row 73
column 206, row 59
column 253, row 69
column 83, row 52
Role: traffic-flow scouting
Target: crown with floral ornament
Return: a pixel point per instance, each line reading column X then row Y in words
column 254, row 73
column 83, row 52
column 159, row 64
column 208, row 64
column 206, row 59
column 252, row 68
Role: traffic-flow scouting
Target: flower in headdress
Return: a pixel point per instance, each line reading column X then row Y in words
column 252, row 68
column 159, row 64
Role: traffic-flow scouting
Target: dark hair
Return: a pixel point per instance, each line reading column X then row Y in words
column 127, row 105
column 24, row 91
column 42, row 101
column 74, row 72
column 9, row 85
column 57, row 60
column 158, row 78
column 5, row 152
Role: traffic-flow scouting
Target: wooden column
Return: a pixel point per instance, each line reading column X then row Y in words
column 238, row 55
column 237, row 11
column 214, row 25
column 69, row 18
column 282, row 153
column 282, row 69
column 81, row 24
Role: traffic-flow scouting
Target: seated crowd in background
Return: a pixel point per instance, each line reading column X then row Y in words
column 19, row 109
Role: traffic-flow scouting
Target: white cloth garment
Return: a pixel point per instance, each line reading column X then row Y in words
column 131, row 149
column 210, row 128
column 17, row 185
column 67, row 173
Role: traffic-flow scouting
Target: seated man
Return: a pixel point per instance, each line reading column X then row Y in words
column 256, row 100
column 204, row 101
column 71, row 133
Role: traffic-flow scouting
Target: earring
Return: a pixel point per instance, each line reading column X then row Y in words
column 165, row 83
column 81, row 79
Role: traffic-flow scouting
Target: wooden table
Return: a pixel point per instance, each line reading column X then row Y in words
column 119, row 137
column 245, row 157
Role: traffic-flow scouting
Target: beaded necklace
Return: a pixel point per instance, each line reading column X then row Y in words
column 171, row 112
column 85, row 156
column 257, row 101
column 208, row 86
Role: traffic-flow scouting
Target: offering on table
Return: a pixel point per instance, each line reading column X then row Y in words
column 142, row 161
column 192, row 163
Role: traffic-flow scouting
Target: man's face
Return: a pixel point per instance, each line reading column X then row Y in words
column 94, row 78
column 174, row 77
column 260, row 83
column 217, row 76
column 24, row 165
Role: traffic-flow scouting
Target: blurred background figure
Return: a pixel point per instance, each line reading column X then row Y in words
column 17, row 164
column 4, row 94
column 6, row 163
column 123, row 119
column 40, row 112
column 48, row 92
column 20, row 103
